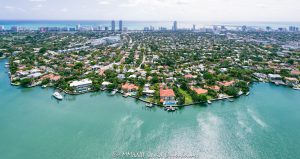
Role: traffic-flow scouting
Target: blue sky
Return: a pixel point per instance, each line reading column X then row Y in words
column 185, row 10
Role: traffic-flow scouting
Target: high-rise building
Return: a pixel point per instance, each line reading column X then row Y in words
column 77, row 27
column 113, row 25
column 244, row 28
column 194, row 27
column 215, row 27
column 293, row 29
column 120, row 25
column 175, row 26
column 14, row 28
column 223, row 28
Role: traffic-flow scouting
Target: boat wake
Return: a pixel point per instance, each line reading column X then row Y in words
column 255, row 117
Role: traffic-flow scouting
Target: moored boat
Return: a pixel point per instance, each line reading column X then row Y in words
column 58, row 96
column 209, row 102
column 170, row 109
column 150, row 105
column 125, row 95
column 248, row 93
column 7, row 65
column 240, row 93
column 296, row 88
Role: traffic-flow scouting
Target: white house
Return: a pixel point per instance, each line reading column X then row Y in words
column 82, row 86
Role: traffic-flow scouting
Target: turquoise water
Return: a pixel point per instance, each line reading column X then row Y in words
column 33, row 125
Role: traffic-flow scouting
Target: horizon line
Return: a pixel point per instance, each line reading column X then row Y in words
column 259, row 21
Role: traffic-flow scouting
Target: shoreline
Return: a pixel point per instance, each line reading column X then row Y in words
column 145, row 101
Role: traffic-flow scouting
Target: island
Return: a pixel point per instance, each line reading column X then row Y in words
column 164, row 68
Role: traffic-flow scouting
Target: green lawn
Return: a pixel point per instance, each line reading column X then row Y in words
column 188, row 98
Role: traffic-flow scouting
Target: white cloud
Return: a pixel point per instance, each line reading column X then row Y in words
column 14, row 8
column 64, row 10
column 37, row 7
column 181, row 10
column 103, row 2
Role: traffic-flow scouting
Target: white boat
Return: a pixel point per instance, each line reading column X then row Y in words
column 149, row 105
column 44, row 86
column 113, row 92
column 125, row 95
column 231, row 100
column 247, row 93
column 209, row 102
column 58, row 96
column 170, row 109
column 296, row 88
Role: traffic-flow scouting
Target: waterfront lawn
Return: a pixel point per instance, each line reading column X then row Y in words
column 188, row 98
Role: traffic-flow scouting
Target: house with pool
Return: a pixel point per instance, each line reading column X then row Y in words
column 167, row 97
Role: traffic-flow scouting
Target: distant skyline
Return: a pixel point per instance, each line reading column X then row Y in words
column 151, row 10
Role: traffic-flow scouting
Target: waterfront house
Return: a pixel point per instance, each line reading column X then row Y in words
column 82, row 85
column 215, row 88
column 105, row 84
column 22, row 73
column 199, row 90
column 291, row 81
column 35, row 75
column 147, row 90
column 129, row 87
column 51, row 77
column 260, row 76
column 167, row 96
column 274, row 77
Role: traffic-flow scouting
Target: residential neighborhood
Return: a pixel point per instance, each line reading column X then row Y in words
column 160, row 67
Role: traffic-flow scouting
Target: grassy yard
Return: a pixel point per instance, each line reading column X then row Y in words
column 188, row 98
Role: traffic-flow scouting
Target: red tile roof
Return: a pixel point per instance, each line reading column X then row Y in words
column 295, row 72
column 199, row 90
column 215, row 88
column 129, row 87
column 101, row 72
column 166, row 93
column 52, row 77
column 226, row 83
column 188, row 76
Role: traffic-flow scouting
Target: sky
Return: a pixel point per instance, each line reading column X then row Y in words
column 152, row 10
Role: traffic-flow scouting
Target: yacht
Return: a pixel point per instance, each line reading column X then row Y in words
column 58, row 96
column 209, row 102
column 170, row 109
column 230, row 100
column 247, row 93
column 44, row 86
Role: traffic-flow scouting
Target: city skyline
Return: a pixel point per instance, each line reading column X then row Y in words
column 155, row 10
